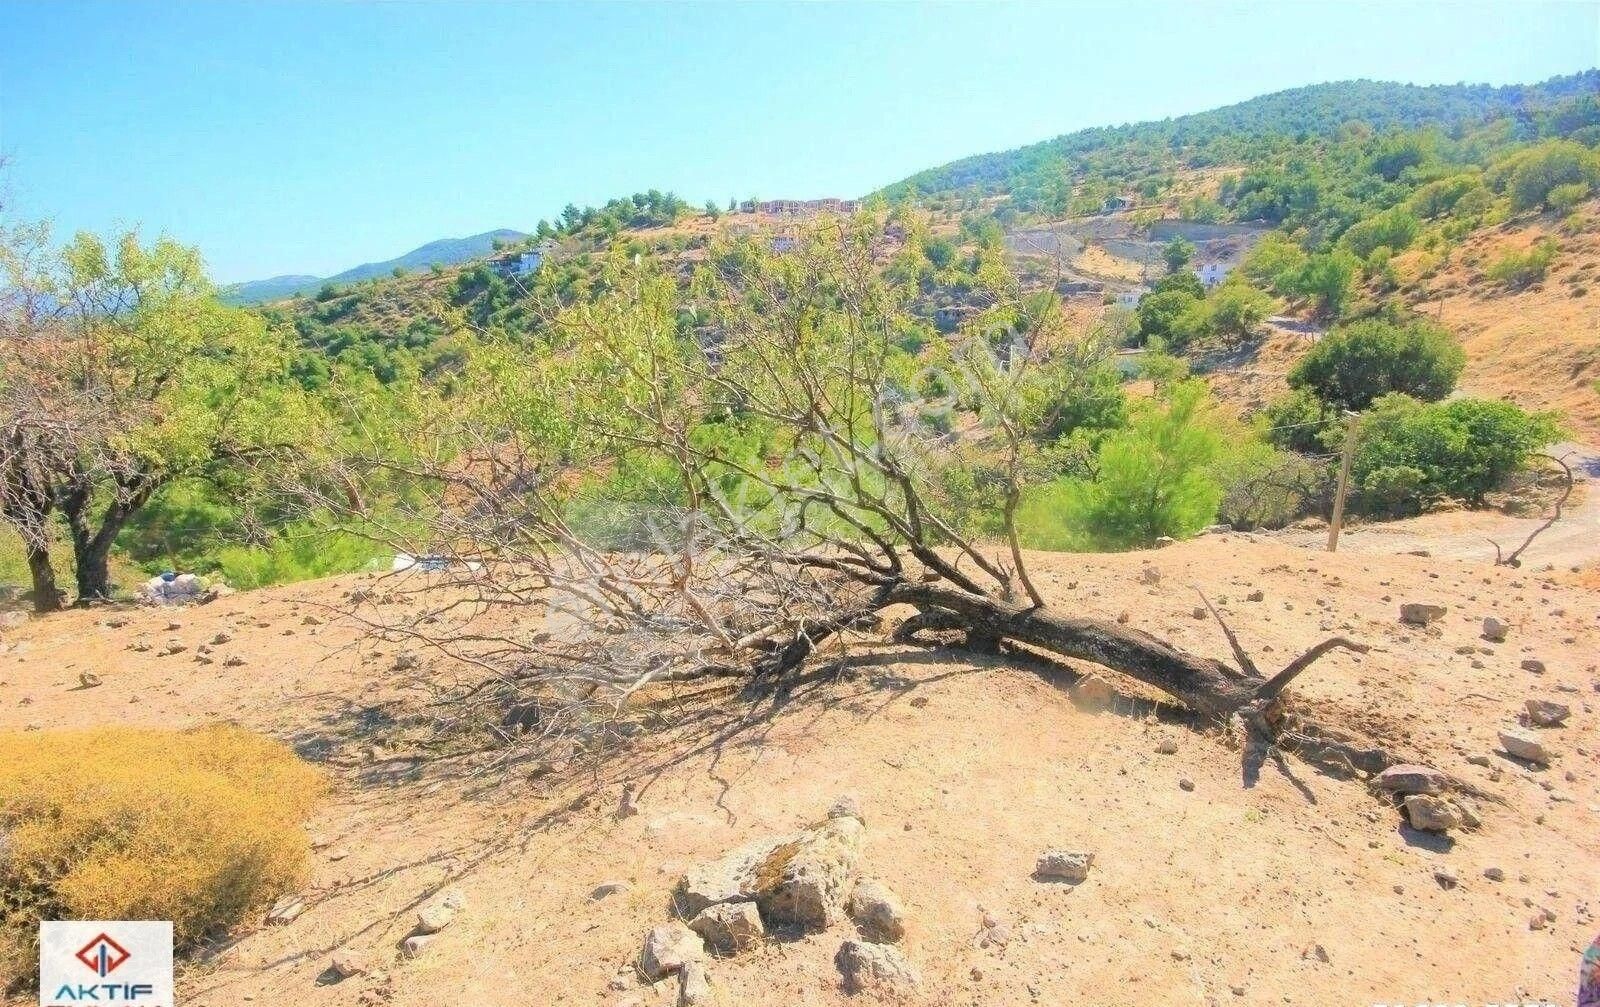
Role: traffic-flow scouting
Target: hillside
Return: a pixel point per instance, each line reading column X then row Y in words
column 443, row 252
column 1212, row 881
column 1223, row 135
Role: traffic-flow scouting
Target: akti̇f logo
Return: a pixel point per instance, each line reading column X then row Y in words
column 103, row 954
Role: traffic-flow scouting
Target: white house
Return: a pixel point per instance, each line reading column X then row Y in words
column 1213, row 273
column 525, row 262
column 1130, row 298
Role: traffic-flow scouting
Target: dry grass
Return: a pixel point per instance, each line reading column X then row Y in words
column 199, row 827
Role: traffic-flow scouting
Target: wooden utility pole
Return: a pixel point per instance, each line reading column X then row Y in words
column 1344, row 480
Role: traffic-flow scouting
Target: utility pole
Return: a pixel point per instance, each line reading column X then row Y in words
column 1344, row 480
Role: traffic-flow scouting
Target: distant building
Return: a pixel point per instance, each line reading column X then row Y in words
column 799, row 207
column 1114, row 203
column 1213, row 273
column 1130, row 298
column 524, row 262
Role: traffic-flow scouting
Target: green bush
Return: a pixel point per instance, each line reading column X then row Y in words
column 1518, row 269
column 1395, row 229
column 1565, row 198
column 1409, row 452
column 1161, row 310
column 1356, row 363
column 1152, row 479
column 1296, row 421
column 1530, row 177
column 299, row 551
column 1263, row 487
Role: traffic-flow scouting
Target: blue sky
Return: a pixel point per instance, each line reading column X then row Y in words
column 298, row 137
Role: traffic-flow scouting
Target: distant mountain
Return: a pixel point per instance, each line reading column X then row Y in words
column 444, row 252
column 1224, row 134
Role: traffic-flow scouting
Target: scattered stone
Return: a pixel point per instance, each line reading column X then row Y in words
column 801, row 879
column 1494, row 874
column 1524, row 745
column 347, row 964
column 1446, row 877
column 1480, row 760
column 1185, row 784
column 993, row 932
column 876, row 967
column 414, row 945
column 1408, row 779
column 1167, row 746
column 172, row 647
column 438, row 914
column 234, row 661
column 606, row 889
column 88, row 679
column 729, row 927
column 1418, row 613
column 1495, row 630
column 1198, row 612
column 1432, row 814
column 877, row 912
column 221, row 638
column 1544, row 713
column 667, row 949
column 694, row 987
column 310, row 620
column 1064, row 865
column 628, row 803
column 1533, row 664
column 406, row 661
column 847, row 806
column 174, row 626
column 286, row 910
column 1092, row 693
column 1162, row 541
column 1149, row 575
column 1256, row 595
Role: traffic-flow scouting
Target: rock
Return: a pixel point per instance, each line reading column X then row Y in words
column 1149, row 575
column 1185, row 784
column 731, row 878
column 346, row 963
column 1408, row 779
column 667, row 949
column 1446, row 877
column 1167, row 746
column 1534, row 665
column 220, row 639
column 88, row 679
column 1257, row 595
column 1524, row 745
column 1495, row 630
column 1093, row 693
column 847, row 806
column 1544, row 713
column 1418, row 613
column 438, row 914
column 172, row 647
column 1494, row 874
column 694, row 987
column 606, row 889
column 729, row 927
column 1433, row 814
column 1162, row 541
column 233, row 662
column 1063, row 865
column 285, row 910
column 406, row 661
column 880, row 968
column 805, row 882
column 1198, row 612
column 310, row 620
column 877, row 912
column 628, row 803
column 414, row 945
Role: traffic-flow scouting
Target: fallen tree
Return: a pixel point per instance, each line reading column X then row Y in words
column 675, row 489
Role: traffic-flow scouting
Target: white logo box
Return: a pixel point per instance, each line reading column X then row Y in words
column 126, row 962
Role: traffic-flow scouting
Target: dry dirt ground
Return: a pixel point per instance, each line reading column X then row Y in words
column 1289, row 886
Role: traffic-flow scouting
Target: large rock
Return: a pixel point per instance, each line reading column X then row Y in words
column 439, row 913
column 1432, row 814
column 1093, row 693
column 879, row 968
column 1407, row 779
column 1495, row 630
column 1419, row 613
column 800, row 880
column 729, row 927
column 1524, row 745
column 667, row 949
column 694, row 987
column 1064, row 865
column 877, row 912
column 1544, row 713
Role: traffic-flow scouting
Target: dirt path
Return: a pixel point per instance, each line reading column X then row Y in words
column 1572, row 542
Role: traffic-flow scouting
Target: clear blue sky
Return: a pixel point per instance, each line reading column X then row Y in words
column 296, row 137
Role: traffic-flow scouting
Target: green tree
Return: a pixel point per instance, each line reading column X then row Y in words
column 1357, row 363
column 1328, row 278
column 1160, row 310
column 1177, row 253
column 129, row 374
column 1153, row 478
column 1237, row 309
column 1529, row 176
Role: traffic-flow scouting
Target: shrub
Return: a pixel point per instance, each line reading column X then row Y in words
column 1161, row 310
column 1518, row 269
column 1565, row 198
column 1410, row 451
column 1263, row 487
column 301, row 551
column 1237, row 309
column 1152, row 479
column 1356, row 363
column 1531, row 176
column 200, row 827
column 1395, row 229
column 1295, row 421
